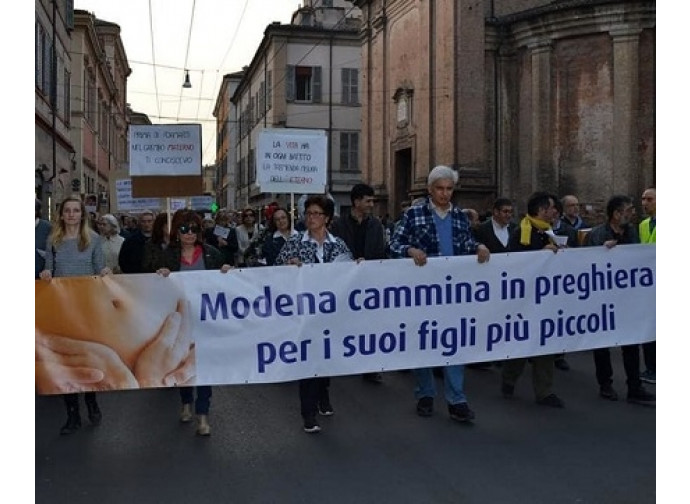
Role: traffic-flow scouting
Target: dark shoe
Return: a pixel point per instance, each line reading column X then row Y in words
column 94, row 411
column 641, row 396
column 461, row 412
column 607, row 392
column 551, row 400
column 326, row 409
column 373, row 377
column 648, row 377
column 72, row 425
column 311, row 426
column 507, row 391
column 562, row 364
column 425, row 406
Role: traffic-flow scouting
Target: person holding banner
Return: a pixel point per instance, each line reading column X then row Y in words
column 188, row 252
column 618, row 230
column 647, row 229
column 534, row 233
column 315, row 245
column 364, row 235
column 74, row 250
column 437, row 227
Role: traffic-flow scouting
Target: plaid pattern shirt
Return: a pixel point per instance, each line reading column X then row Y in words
column 417, row 229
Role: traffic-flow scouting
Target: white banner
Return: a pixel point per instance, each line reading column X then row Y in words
column 165, row 149
column 284, row 323
column 274, row 324
column 292, row 161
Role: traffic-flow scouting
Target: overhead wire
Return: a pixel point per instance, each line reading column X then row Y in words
column 186, row 57
column 153, row 58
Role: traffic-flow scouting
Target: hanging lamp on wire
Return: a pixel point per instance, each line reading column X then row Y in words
column 187, row 84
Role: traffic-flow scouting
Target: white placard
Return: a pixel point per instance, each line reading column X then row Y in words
column 126, row 203
column 292, row 161
column 165, row 150
column 200, row 202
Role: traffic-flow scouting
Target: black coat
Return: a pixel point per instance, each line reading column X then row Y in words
column 484, row 233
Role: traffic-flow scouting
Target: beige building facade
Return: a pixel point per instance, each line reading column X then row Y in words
column 99, row 110
column 516, row 95
column 305, row 75
column 53, row 145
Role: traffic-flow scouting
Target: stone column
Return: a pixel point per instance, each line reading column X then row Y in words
column 542, row 165
column 625, row 106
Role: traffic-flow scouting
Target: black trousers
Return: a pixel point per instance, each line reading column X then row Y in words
column 631, row 364
column 649, row 352
column 72, row 400
column 313, row 391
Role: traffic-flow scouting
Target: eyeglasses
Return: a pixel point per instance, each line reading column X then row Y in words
column 314, row 214
column 188, row 228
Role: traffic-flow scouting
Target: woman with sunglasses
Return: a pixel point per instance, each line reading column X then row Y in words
column 75, row 250
column 187, row 252
column 247, row 230
column 315, row 245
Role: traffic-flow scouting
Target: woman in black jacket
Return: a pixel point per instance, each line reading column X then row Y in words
column 188, row 252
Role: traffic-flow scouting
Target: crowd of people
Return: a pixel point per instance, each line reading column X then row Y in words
column 76, row 244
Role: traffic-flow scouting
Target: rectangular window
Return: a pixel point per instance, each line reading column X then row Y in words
column 350, row 86
column 66, row 95
column 251, row 167
column 38, row 54
column 303, row 83
column 269, row 89
column 349, row 151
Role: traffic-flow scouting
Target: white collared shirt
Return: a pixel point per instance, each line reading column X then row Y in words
column 501, row 232
column 440, row 211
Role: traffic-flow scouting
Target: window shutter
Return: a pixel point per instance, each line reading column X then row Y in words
column 316, row 85
column 354, row 86
column 344, row 85
column 290, row 83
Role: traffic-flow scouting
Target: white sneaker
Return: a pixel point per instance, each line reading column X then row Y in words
column 203, row 428
column 186, row 413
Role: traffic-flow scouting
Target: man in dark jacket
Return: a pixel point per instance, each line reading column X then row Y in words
column 131, row 258
column 364, row 235
column 495, row 232
column 618, row 230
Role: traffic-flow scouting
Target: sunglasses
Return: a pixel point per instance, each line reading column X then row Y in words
column 189, row 228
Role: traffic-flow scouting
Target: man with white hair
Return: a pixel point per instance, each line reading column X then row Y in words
column 437, row 227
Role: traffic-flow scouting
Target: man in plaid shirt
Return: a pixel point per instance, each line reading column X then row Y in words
column 437, row 227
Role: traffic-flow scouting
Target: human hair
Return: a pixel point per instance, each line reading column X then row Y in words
column 38, row 207
column 272, row 228
column 501, row 202
column 158, row 232
column 617, row 202
column 58, row 233
column 326, row 204
column 181, row 217
column 538, row 201
column 359, row 191
column 442, row 172
column 112, row 221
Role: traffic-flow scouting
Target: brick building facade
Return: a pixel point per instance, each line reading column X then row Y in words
column 517, row 95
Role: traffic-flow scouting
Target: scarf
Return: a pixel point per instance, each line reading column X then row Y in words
column 526, row 225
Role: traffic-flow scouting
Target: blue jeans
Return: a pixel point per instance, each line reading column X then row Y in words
column 453, row 383
column 203, row 398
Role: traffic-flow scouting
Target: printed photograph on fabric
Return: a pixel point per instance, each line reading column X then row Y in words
column 108, row 333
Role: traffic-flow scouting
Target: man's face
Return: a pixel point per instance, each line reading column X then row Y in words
column 146, row 223
column 571, row 207
column 624, row 215
column 364, row 205
column 649, row 202
column 441, row 192
column 549, row 213
column 503, row 215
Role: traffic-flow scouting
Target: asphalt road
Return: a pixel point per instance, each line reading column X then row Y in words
column 375, row 449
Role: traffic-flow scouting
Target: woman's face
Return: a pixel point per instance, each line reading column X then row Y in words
column 188, row 233
column 248, row 218
column 71, row 213
column 316, row 218
column 280, row 218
